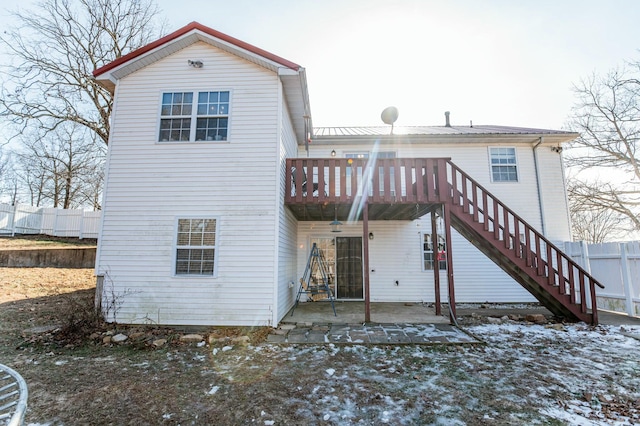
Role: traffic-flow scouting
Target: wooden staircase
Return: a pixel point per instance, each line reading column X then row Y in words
column 536, row 263
column 320, row 189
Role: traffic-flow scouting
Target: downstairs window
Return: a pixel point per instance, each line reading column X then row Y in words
column 196, row 247
column 428, row 254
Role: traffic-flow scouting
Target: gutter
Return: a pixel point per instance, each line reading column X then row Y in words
column 538, row 186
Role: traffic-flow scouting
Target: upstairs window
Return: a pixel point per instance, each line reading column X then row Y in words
column 503, row 164
column 175, row 121
column 196, row 247
column 189, row 116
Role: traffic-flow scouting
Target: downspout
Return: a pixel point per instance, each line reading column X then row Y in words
column 538, row 186
column 308, row 125
column 274, row 307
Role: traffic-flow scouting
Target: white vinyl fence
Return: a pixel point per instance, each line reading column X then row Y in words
column 617, row 267
column 23, row 219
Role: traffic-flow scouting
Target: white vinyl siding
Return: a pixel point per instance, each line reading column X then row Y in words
column 151, row 184
column 476, row 276
column 287, row 224
column 395, row 254
column 522, row 197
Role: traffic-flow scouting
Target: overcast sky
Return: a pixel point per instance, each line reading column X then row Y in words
column 494, row 62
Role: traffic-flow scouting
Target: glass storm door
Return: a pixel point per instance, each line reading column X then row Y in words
column 349, row 279
column 327, row 248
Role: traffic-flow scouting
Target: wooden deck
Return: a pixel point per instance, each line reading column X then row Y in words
column 318, row 189
column 394, row 189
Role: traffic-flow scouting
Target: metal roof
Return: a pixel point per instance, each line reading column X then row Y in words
column 434, row 130
column 193, row 27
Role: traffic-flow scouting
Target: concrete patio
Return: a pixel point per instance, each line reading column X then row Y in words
column 353, row 313
column 391, row 323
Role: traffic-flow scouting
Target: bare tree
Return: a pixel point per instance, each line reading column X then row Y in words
column 591, row 221
column 55, row 49
column 62, row 167
column 7, row 178
column 607, row 116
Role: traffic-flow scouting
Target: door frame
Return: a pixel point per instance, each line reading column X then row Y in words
column 334, row 286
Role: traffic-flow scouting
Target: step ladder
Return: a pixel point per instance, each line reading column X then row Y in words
column 315, row 280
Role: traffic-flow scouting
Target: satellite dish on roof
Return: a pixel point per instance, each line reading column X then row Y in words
column 389, row 116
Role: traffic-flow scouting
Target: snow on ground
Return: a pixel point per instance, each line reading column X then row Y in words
column 522, row 374
column 525, row 374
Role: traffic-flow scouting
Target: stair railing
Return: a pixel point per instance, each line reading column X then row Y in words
column 514, row 234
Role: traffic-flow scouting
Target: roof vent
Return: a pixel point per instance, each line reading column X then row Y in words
column 446, row 117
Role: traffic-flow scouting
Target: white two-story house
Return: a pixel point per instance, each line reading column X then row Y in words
column 218, row 185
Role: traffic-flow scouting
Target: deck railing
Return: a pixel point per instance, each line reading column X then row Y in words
column 344, row 180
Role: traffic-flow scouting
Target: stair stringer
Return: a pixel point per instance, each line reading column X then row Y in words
column 559, row 304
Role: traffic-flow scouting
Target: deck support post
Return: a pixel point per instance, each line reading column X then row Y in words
column 447, row 230
column 365, row 249
column 436, row 263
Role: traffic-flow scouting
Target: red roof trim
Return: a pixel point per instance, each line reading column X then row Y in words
column 186, row 29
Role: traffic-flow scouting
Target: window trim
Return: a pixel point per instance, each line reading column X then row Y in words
column 516, row 164
column 194, row 116
column 441, row 267
column 175, row 247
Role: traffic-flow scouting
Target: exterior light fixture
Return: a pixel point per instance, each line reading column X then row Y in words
column 333, row 152
column 371, row 235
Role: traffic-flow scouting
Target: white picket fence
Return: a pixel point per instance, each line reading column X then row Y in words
column 24, row 219
column 617, row 267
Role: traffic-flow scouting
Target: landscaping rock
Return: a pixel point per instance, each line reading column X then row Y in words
column 287, row 327
column 494, row 320
column 537, row 318
column 136, row 335
column 192, row 338
column 158, row 343
column 213, row 339
column 106, row 340
column 242, row 340
column 119, row 338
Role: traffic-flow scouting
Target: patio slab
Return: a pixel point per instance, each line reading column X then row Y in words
column 378, row 334
column 353, row 313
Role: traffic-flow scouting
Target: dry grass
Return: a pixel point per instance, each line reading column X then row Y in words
column 29, row 283
column 26, row 242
